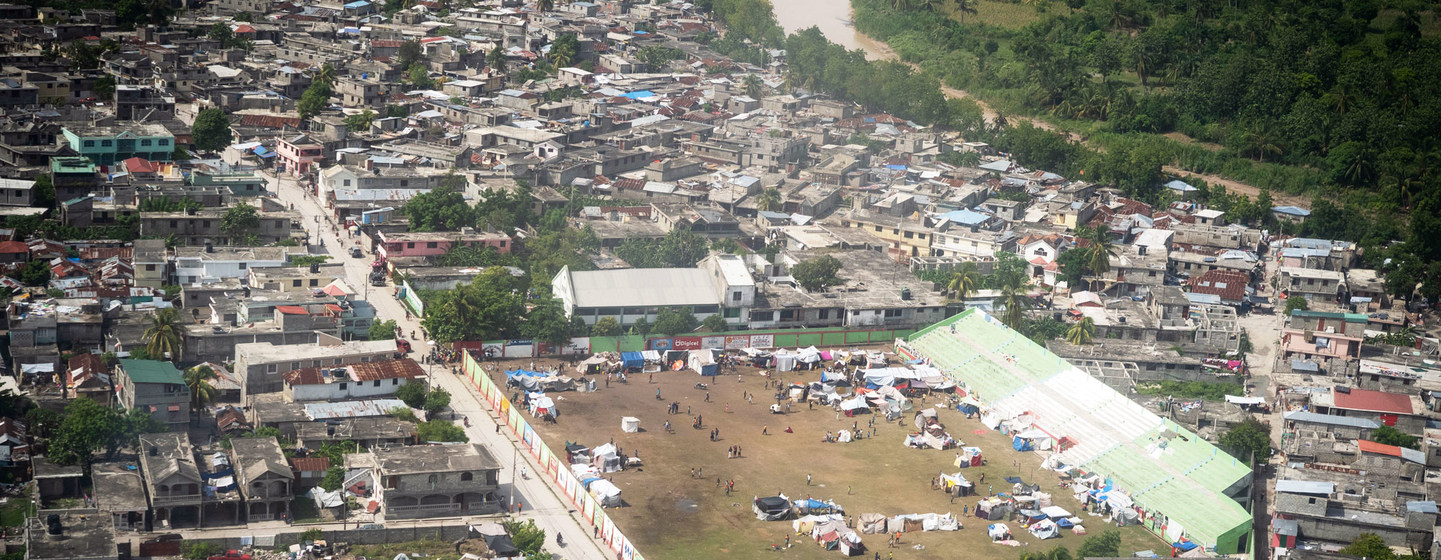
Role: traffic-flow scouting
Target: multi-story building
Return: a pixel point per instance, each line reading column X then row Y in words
column 298, row 154
column 204, row 226
column 435, row 480
column 172, row 479
column 215, row 264
column 155, row 387
column 110, row 145
column 260, row 366
column 266, row 481
column 1312, row 284
column 137, row 102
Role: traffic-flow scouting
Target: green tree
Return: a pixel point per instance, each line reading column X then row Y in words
column 35, row 273
column 496, row 58
column 640, row 327
column 1105, row 545
column 326, row 76
column 412, row 394
column 964, row 281
column 606, row 326
column 1099, row 253
column 360, row 122
column 528, row 538
column 1249, row 440
column 165, row 335
column 714, row 323
column 397, row 111
column 490, row 307
column 104, row 87
column 547, row 322
column 435, row 401
column 818, row 273
column 383, row 330
column 752, row 86
column 419, row 76
column 239, row 221
column 198, row 379
column 1391, row 436
column 769, row 200
column 441, row 431
column 315, row 99
column 409, row 54
column 44, row 191
column 441, row 209
column 1296, row 302
column 545, row 5
column 211, row 131
column 564, row 50
column 199, row 550
column 1370, row 546
column 334, row 477
column 675, row 320
column 1081, row 331
column 963, row 7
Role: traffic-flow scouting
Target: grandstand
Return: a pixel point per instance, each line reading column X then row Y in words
column 1164, row 467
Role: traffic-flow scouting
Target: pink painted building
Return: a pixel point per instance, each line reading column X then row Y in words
column 432, row 243
column 297, row 153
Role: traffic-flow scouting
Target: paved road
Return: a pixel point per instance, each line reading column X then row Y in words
column 541, row 502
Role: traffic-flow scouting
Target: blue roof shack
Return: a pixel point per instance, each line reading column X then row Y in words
column 1291, row 213
column 359, row 8
column 1180, row 186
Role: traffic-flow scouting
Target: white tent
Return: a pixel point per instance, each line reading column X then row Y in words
column 630, row 424
column 605, row 492
column 1055, row 512
column 808, row 355
column 785, row 361
column 998, row 531
column 1045, row 529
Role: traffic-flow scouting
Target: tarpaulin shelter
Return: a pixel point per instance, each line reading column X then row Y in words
column 592, row 365
column 543, row 406
column 605, row 458
column 501, row 545
column 577, row 453
column 993, row 509
column 772, row 508
column 630, row 424
column 632, row 360
column 1055, row 512
column 808, row 357
column 872, row 523
column 703, row 362
column 1045, row 529
column 810, row 506
column 957, row 485
column 851, row 545
column 605, row 492
column 1019, row 443
column 1029, row 516
column 998, row 531
column 805, row 523
column 969, row 457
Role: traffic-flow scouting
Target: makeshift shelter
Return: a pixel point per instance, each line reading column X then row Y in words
column 1054, row 512
column 993, row 509
column 772, row 508
column 542, row 406
column 806, row 523
column 811, row 506
column 1044, row 529
column 851, row 406
column 851, row 545
column 785, row 360
column 998, row 531
column 632, row 360
column 576, row 453
column 592, row 365
column 969, row 457
column 630, row 424
column 604, row 491
column 957, row 485
column 808, row 358
column 605, row 459
column 872, row 523
column 703, row 362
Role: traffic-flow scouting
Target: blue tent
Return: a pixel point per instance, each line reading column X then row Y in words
column 521, row 373
column 1184, row 546
column 1021, row 444
column 632, row 359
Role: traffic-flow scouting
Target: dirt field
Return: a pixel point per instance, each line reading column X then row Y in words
column 670, row 514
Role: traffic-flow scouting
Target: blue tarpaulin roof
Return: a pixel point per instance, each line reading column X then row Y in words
column 263, row 152
column 632, row 359
column 642, row 94
column 522, row 373
column 358, row 4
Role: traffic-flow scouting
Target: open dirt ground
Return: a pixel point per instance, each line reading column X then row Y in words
column 671, row 514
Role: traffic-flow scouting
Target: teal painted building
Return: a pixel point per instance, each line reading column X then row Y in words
column 110, row 145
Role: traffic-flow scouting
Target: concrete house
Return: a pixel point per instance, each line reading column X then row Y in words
column 266, row 482
column 158, row 388
column 355, row 381
column 259, row 366
column 436, row 480
column 172, row 480
column 1312, row 284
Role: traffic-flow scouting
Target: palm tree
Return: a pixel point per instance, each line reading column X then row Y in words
column 545, row 5
column 769, row 200
column 198, row 380
column 964, row 7
column 163, row 336
column 900, row 5
column 326, row 74
column 1098, row 255
column 1080, row 333
column 964, row 281
column 1016, row 302
column 496, row 58
column 1261, row 142
column 752, row 86
column 968, row 158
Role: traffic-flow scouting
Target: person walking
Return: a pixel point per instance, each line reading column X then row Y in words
column 808, row 479
column 764, row 430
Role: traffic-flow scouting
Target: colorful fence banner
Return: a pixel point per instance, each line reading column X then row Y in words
column 553, row 465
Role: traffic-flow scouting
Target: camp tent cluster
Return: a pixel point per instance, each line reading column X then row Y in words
column 1119, row 456
column 538, row 381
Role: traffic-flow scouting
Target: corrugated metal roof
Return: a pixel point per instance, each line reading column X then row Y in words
column 1313, row 418
column 351, row 409
column 1314, row 487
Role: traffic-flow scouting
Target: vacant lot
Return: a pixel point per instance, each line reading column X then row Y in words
column 670, row 514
